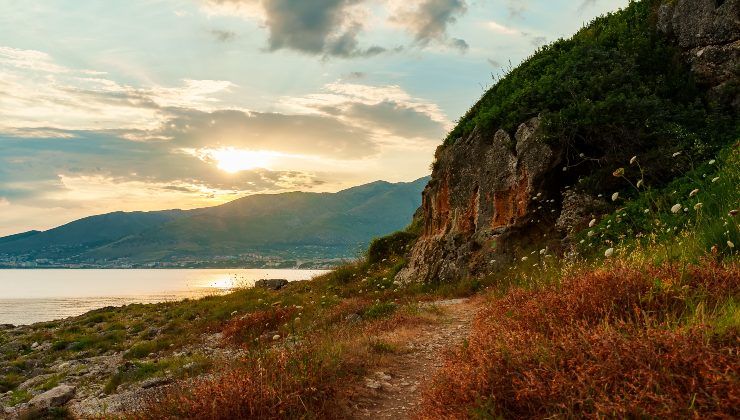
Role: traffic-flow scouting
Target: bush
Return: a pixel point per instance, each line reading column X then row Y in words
column 395, row 244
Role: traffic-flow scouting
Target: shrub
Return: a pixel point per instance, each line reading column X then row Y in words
column 389, row 246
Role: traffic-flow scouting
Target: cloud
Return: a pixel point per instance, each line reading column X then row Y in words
column 393, row 114
column 501, row 29
column 428, row 21
column 517, row 8
column 585, row 4
column 329, row 28
column 40, row 95
column 355, row 75
column 76, row 140
column 222, row 35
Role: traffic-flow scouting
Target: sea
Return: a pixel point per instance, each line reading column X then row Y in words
column 28, row 296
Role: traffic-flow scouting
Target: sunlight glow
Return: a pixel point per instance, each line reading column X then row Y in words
column 233, row 160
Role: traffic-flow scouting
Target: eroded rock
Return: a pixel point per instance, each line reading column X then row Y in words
column 272, row 284
column 708, row 31
column 55, row 397
column 479, row 197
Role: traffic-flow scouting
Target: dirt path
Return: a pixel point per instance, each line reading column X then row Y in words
column 395, row 392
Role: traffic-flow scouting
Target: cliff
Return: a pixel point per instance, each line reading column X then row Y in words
column 531, row 162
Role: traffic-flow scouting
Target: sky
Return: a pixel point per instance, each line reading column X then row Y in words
column 157, row 104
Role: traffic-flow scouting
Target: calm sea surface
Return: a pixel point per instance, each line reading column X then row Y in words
column 28, row 296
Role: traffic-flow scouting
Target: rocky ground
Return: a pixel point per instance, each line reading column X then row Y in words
column 85, row 385
column 395, row 391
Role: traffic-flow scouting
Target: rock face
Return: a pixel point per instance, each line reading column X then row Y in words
column 272, row 284
column 55, row 397
column 480, row 202
column 709, row 33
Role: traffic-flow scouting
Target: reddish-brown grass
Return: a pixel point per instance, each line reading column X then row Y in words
column 308, row 377
column 287, row 383
column 250, row 327
column 610, row 342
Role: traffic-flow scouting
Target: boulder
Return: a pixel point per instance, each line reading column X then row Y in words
column 155, row 382
column 35, row 381
column 708, row 32
column 272, row 284
column 55, row 397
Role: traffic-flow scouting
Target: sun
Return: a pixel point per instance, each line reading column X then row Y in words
column 233, row 160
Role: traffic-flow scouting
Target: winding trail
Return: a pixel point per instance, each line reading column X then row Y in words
column 395, row 392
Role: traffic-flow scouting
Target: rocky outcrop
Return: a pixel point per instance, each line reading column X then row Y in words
column 488, row 193
column 271, row 284
column 55, row 397
column 578, row 210
column 709, row 33
column 493, row 198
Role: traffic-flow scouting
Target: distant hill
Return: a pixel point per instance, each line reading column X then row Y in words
column 300, row 225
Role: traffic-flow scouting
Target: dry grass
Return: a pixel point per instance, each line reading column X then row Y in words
column 618, row 341
column 254, row 326
column 305, row 378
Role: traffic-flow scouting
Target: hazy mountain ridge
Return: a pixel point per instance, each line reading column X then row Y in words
column 301, row 225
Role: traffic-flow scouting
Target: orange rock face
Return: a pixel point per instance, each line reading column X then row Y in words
column 511, row 204
column 480, row 190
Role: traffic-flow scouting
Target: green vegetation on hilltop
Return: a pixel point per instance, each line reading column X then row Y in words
column 615, row 89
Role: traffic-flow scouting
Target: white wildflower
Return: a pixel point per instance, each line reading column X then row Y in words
column 609, row 252
column 646, row 211
column 640, row 183
column 615, row 196
column 524, row 258
column 633, row 160
column 542, row 251
column 676, row 208
column 697, row 206
column 711, row 162
column 676, row 154
column 583, row 240
column 730, row 244
column 591, row 233
column 592, row 223
column 715, row 179
column 693, row 192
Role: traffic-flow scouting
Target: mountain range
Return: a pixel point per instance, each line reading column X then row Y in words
column 285, row 229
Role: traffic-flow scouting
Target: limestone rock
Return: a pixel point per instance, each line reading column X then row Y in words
column 155, row 382
column 708, row 31
column 35, row 381
column 272, row 284
column 55, row 397
column 478, row 198
column 578, row 210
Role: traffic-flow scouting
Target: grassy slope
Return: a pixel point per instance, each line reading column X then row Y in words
column 650, row 331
